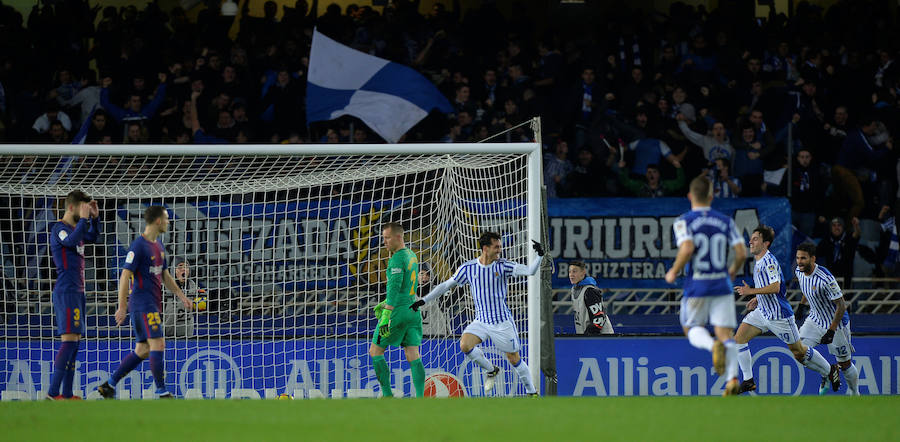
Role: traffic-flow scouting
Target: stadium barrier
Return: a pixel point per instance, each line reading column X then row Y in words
column 601, row 366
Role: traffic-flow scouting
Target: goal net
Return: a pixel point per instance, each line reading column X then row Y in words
column 281, row 252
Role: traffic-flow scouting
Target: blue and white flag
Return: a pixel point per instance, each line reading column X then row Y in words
column 389, row 97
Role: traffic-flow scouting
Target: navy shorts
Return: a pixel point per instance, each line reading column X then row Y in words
column 69, row 311
column 146, row 325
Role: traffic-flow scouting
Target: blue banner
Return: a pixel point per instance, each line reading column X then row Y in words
column 629, row 243
column 250, row 369
column 670, row 366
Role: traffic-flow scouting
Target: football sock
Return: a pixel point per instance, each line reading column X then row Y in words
column 129, row 362
column 700, row 338
column 525, row 376
column 418, row 376
column 70, row 371
column 851, row 374
column 384, row 375
column 745, row 359
column 731, row 359
column 60, row 365
column 157, row 367
column 475, row 354
column 815, row 361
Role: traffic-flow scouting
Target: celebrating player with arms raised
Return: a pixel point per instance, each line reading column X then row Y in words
column 146, row 270
column 487, row 276
column 80, row 223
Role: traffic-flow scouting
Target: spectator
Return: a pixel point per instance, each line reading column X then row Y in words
column 724, row 184
column 834, row 134
column 714, row 146
column 134, row 109
column 749, row 158
column 178, row 321
column 807, row 194
column 651, row 186
column 57, row 134
column 582, row 181
column 838, row 250
column 855, row 164
column 587, row 301
column 42, row 124
column 557, row 168
column 88, row 97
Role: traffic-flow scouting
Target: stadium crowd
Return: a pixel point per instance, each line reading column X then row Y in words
column 633, row 103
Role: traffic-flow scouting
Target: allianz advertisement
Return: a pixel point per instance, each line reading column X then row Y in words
column 629, row 243
column 670, row 366
column 661, row 366
column 251, row 369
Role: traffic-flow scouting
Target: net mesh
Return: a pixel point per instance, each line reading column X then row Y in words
column 282, row 256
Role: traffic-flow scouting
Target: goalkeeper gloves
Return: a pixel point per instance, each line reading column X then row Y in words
column 416, row 305
column 538, row 247
column 384, row 324
column 379, row 308
column 828, row 337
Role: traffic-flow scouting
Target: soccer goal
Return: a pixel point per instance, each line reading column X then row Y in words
column 280, row 246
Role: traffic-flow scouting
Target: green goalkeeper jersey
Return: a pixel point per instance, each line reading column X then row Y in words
column 402, row 279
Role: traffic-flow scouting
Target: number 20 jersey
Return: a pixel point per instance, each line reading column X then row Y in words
column 712, row 233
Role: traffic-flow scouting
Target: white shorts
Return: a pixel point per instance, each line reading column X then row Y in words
column 785, row 329
column 811, row 334
column 715, row 310
column 503, row 335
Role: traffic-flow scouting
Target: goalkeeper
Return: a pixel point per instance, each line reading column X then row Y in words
column 398, row 324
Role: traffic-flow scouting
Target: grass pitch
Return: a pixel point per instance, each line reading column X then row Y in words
column 864, row 418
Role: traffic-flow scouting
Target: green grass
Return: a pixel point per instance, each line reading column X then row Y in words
column 473, row 420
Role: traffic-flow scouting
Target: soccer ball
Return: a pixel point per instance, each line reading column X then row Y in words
column 285, row 397
column 200, row 304
column 444, row 385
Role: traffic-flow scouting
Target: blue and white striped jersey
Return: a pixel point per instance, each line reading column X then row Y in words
column 774, row 305
column 820, row 289
column 712, row 233
column 488, row 287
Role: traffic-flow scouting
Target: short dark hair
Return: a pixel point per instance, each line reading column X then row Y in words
column 653, row 166
column 579, row 264
column 153, row 213
column 767, row 233
column 487, row 238
column 808, row 247
column 395, row 228
column 77, row 196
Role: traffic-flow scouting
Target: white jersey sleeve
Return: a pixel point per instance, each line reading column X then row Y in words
column 682, row 231
column 832, row 288
column 733, row 234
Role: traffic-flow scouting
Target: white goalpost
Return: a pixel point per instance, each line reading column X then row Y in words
column 280, row 245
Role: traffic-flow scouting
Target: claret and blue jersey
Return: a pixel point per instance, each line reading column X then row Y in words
column 712, row 234
column 67, row 248
column 146, row 260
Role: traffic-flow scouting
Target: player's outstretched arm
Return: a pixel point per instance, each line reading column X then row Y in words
column 170, row 284
column 441, row 288
column 124, row 283
column 521, row 270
